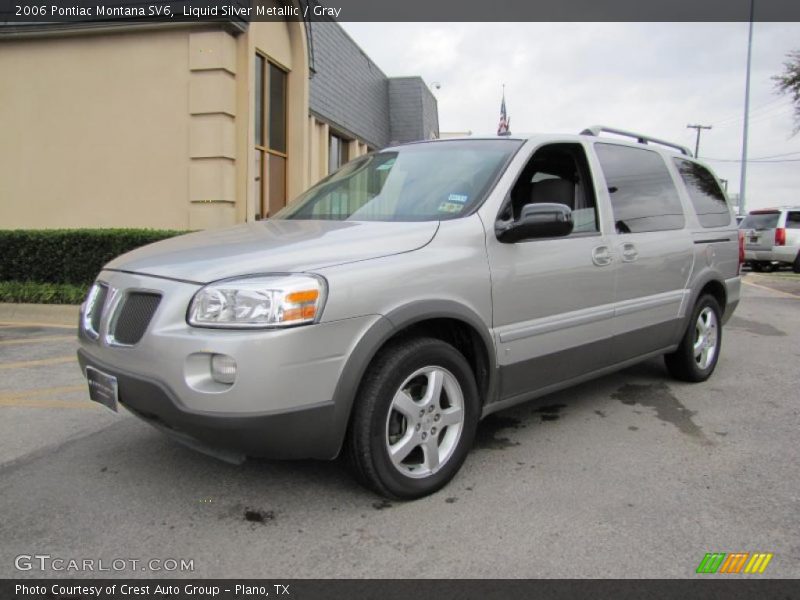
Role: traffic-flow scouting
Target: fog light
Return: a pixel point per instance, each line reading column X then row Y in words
column 223, row 368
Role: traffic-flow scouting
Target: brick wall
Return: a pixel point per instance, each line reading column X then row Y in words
column 349, row 91
column 347, row 88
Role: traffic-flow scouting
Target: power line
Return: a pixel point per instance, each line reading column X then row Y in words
column 738, row 160
column 771, row 115
column 777, row 155
column 734, row 118
column 776, row 111
column 757, row 157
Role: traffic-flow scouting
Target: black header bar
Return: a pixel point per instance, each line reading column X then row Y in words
column 22, row 13
column 733, row 587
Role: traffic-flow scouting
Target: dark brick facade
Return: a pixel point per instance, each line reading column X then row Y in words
column 351, row 93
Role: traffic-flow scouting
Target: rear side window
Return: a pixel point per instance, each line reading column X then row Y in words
column 707, row 198
column 760, row 220
column 793, row 220
column 643, row 195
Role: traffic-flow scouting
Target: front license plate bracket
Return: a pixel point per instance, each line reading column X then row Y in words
column 103, row 388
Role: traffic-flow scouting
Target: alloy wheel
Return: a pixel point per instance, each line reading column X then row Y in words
column 425, row 421
column 706, row 338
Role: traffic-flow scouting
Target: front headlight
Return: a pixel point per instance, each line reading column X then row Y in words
column 259, row 301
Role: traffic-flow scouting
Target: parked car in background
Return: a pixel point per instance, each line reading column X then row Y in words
column 772, row 238
column 415, row 291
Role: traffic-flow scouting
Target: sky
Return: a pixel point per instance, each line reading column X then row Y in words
column 653, row 78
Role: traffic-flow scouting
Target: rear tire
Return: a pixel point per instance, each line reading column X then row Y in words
column 796, row 264
column 414, row 419
column 756, row 266
column 698, row 353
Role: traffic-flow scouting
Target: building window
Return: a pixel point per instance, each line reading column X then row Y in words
column 270, row 137
column 337, row 152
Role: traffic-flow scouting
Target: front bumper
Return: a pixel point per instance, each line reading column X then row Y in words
column 281, row 404
column 302, row 433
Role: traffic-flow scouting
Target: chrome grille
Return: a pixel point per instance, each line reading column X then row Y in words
column 133, row 317
column 95, row 301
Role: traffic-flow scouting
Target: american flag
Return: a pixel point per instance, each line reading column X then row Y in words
column 505, row 123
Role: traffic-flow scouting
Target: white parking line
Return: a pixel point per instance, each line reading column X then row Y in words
column 47, row 403
column 12, row 324
column 34, row 340
column 38, row 363
column 41, row 398
column 769, row 289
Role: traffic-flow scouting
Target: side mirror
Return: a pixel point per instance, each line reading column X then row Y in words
column 536, row 221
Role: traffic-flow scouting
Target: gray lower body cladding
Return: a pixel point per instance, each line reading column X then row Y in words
column 302, row 433
column 526, row 377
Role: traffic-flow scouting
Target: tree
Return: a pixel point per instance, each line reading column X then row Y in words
column 788, row 82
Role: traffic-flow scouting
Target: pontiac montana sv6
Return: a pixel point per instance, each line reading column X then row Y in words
column 414, row 291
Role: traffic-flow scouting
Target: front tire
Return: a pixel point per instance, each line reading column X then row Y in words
column 414, row 419
column 698, row 353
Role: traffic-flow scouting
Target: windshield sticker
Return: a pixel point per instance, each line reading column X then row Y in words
column 451, row 207
column 460, row 198
column 385, row 166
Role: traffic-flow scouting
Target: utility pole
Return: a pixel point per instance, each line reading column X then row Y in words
column 697, row 142
column 743, row 178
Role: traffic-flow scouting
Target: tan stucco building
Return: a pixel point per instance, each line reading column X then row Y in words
column 187, row 126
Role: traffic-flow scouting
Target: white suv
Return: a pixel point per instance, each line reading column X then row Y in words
column 772, row 236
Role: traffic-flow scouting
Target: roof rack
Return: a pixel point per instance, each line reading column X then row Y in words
column 596, row 130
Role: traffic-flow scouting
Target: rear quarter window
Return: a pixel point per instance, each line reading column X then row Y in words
column 643, row 194
column 707, row 198
column 793, row 220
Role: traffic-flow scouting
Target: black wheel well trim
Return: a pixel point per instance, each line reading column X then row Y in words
column 391, row 325
column 713, row 282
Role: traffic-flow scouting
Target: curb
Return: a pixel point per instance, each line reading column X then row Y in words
column 61, row 315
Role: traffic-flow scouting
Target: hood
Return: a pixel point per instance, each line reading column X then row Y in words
column 273, row 246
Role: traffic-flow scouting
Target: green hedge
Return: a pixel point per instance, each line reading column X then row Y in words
column 67, row 256
column 42, row 293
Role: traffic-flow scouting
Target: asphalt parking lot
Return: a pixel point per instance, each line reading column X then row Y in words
column 631, row 475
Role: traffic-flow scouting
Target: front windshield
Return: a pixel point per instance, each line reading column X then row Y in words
column 418, row 182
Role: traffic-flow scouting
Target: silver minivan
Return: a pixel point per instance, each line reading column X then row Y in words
column 771, row 238
column 414, row 291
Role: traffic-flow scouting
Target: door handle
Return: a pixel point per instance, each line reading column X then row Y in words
column 601, row 256
column 629, row 252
